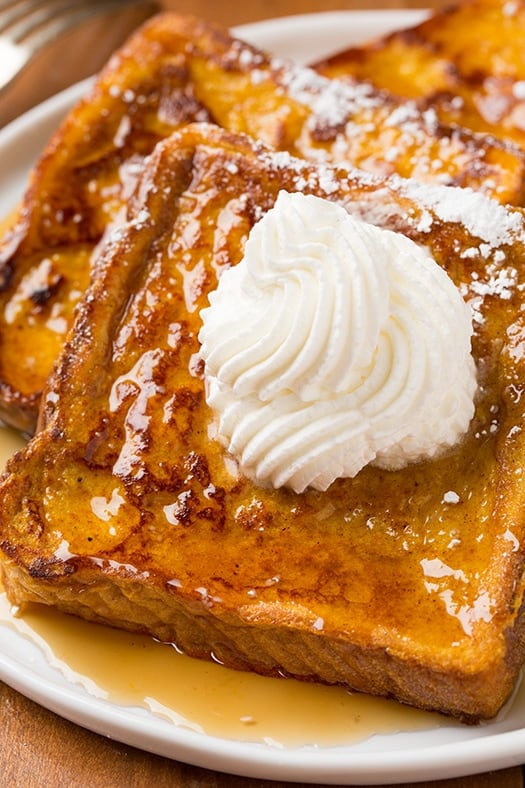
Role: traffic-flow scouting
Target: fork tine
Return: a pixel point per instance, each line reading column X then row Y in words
column 31, row 29
column 27, row 26
column 34, row 22
column 11, row 11
column 20, row 19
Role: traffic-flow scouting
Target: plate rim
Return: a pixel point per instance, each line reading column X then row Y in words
column 345, row 765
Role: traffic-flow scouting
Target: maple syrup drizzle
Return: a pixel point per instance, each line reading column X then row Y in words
column 135, row 670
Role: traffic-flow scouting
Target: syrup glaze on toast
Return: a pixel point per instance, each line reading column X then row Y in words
column 173, row 71
column 121, row 509
column 465, row 62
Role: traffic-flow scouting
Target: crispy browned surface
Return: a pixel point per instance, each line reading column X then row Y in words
column 173, row 71
column 466, row 62
column 122, row 509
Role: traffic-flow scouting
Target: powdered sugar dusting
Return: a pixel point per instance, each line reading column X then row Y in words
column 306, row 177
column 490, row 224
column 488, row 233
column 483, row 217
column 331, row 101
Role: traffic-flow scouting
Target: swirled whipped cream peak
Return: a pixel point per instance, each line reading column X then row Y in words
column 334, row 344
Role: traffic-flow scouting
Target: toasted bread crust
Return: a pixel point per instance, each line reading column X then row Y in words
column 173, row 71
column 441, row 64
column 122, row 509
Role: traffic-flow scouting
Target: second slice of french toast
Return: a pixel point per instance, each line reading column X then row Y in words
column 176, row 70
column 122, row 509
column 465, row 62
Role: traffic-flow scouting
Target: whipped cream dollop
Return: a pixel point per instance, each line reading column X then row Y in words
column 334, row 344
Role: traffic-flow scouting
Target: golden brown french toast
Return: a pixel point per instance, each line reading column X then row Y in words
column 173, row 71
column 465, row 62
column 122, row 509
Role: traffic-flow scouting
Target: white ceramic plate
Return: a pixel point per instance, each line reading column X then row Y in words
column 448, row 751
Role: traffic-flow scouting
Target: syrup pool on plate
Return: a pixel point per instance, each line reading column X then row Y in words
column 135, row 670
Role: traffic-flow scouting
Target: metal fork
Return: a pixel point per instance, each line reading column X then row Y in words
column 29, row 28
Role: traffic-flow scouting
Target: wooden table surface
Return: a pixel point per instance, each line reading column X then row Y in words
column 37, row 748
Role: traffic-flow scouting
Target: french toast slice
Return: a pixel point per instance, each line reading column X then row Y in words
column 465, row 62
column 175, row 70
column 123, row 510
